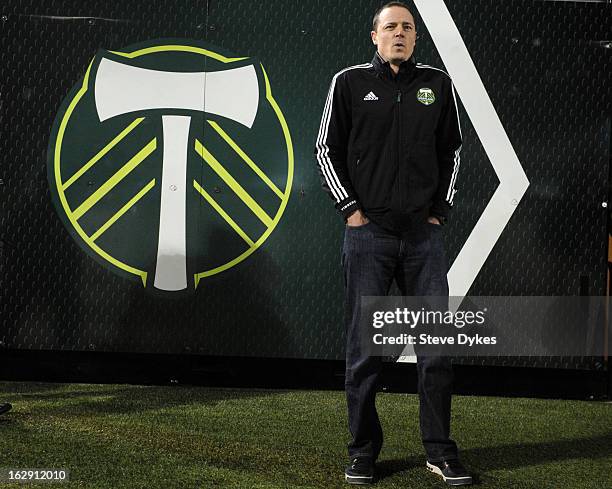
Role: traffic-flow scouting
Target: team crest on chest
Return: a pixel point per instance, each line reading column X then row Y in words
column 426, row 96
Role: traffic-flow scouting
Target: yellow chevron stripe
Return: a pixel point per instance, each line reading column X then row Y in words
column 223, row 214
column 123, row 210
column 102, row 153
column 107, row 186
column 246, row 158
column 233, row 184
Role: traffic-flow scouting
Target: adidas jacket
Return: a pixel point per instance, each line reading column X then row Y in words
column 389, row 145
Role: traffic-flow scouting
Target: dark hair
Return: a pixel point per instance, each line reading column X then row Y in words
column 387, row 5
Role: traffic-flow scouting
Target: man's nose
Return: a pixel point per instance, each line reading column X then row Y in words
column 399, row 33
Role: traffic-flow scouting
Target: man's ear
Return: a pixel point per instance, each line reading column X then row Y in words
column 373, row 36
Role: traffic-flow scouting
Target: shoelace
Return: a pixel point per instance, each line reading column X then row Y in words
column 455, row 466
column 360, row 463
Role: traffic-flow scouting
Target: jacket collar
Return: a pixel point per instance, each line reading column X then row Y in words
column 383, row 68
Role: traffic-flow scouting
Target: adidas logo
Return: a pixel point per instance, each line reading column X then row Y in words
column 370, row 96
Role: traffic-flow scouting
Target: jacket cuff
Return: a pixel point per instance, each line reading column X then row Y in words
column 348, row 206
column 440, row 210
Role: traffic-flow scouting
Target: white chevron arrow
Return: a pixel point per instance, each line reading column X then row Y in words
column 513, row 182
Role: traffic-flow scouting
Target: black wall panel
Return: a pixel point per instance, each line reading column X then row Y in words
column 543, row 64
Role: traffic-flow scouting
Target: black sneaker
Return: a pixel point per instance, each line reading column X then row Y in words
column 361, row 471
column 453, row 473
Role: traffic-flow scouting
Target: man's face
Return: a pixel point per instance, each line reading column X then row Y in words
column 395, row 35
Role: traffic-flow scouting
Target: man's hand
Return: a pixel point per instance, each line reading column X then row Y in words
column 433, row 220
column 357, row 219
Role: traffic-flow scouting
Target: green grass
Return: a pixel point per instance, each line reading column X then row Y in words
column 115, row 436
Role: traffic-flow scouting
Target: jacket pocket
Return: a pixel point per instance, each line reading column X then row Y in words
column 352, row 160
column 422, row 175
column 373, row 175
column 423, row 163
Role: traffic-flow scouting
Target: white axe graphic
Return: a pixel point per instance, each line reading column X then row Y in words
column 121, row 88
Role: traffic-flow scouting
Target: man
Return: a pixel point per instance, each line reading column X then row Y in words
column 388, row 154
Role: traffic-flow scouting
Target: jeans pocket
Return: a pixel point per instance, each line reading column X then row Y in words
column 359, row 228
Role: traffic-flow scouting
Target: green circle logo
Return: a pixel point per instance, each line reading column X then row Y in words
column 426, row 96
column 170, row 162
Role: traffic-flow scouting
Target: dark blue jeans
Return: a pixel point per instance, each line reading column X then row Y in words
column 372, row 258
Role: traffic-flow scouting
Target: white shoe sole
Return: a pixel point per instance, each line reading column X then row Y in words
column 453, row 481
column 361, row 480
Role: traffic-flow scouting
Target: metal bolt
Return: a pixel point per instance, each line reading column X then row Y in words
column 217, row 190
column 514, row 202
column 91, row 22
column 173, row 188
column 515, row 40
column 90, row 184
column 4, row 18
column 212, row 27
column 604, row 205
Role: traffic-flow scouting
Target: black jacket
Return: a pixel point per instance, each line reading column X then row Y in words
column 389, row 144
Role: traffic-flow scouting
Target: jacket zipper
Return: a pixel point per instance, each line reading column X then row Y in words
column 399, row 148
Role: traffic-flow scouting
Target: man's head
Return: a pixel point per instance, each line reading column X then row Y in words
column 394, row 32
